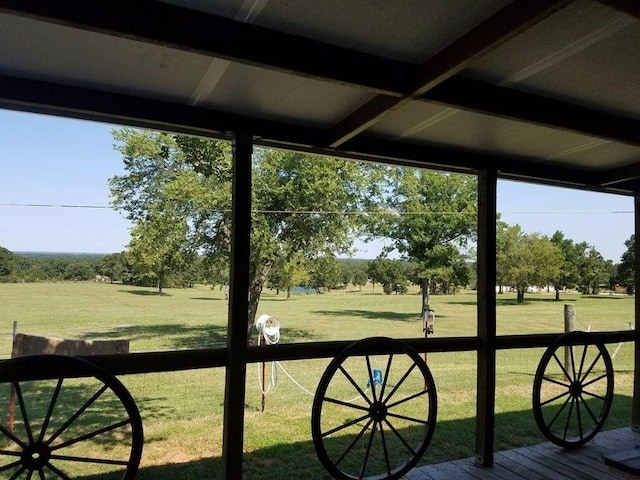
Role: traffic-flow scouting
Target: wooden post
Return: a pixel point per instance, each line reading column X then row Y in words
column 486, row 376
column 569, row 326
column 635, row 406
column 264, row 379
column 238, row 319
column 12, row 392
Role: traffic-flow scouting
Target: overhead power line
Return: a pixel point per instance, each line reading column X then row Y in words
column 345, row 212
column 48, row 205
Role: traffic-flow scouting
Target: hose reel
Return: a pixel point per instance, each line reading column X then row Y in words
column 269, row 329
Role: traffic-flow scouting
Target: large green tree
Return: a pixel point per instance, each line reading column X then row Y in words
column 177, row 192
column 429, row 217
column 528, row 260
column 117, row 267
column 156, row 193
column 6, row 262
column 594, row 271
column 288, row 274
column 391, row 274
column 626, row 267
column 569, row 275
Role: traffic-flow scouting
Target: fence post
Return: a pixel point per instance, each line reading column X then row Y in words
column 12, row 393
column 569, row 326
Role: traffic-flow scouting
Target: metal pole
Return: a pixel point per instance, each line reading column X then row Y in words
column 238, row 319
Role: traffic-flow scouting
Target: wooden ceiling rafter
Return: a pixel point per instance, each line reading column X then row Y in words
column 513, row 19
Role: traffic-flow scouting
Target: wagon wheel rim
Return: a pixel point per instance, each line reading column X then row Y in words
column 46, row 441
column 395, row 418
column 571, row 402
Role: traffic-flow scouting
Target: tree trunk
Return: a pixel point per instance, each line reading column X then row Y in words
column 160, row 282
column 520, row 296
column 255, row 290
column 557, row 294
column 288, row 293
column 425, row 285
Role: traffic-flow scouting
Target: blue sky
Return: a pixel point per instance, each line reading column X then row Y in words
column 55, row 161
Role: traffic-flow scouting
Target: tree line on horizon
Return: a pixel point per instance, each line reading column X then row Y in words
column 307, row 211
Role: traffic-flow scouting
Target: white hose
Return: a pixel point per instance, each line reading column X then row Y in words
column 269, row 331
column 273, row 380
column 311, row 393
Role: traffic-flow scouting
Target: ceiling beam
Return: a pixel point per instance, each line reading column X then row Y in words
column 87, row 104
column 630, row 7
column 429, row 156
column 81, row 103
column 480, row 97
column 619, row 175
column 188, row 30
column 513, row 19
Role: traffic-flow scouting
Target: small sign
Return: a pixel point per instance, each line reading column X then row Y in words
column 376, row 376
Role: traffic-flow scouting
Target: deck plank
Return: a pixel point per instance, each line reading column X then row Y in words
column 497, row 472
column 549, row 465
column 587, row 456
column 541, row 462
column 574, row 462
column 518, row 468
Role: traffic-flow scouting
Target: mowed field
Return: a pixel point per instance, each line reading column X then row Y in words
column 183, row 411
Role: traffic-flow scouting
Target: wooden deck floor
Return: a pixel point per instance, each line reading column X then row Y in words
column 540, row 462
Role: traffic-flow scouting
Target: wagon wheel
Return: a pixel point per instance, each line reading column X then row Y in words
column 370, row 422
column 72, row 419
column 571, row 402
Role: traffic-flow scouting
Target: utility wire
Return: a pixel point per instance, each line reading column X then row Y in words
column 47, row 205
column 343, row 212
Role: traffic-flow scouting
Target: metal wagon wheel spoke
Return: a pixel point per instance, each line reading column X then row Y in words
column 60, row 433
column 368, row 424
column 571, row 402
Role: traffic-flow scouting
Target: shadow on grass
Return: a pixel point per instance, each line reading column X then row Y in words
column 176, row 335
column 374, row 315
column 207, row 298
column 79, row 417
column 453, row 439
column 501, row 301
column 608, row 297
column 145, row 293
column 293, row 335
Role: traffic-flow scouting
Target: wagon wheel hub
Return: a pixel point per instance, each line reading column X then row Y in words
column 575, row 389
column 378, row 411
column 36, row 456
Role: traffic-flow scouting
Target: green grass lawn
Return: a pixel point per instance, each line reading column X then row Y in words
column 182, row 411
